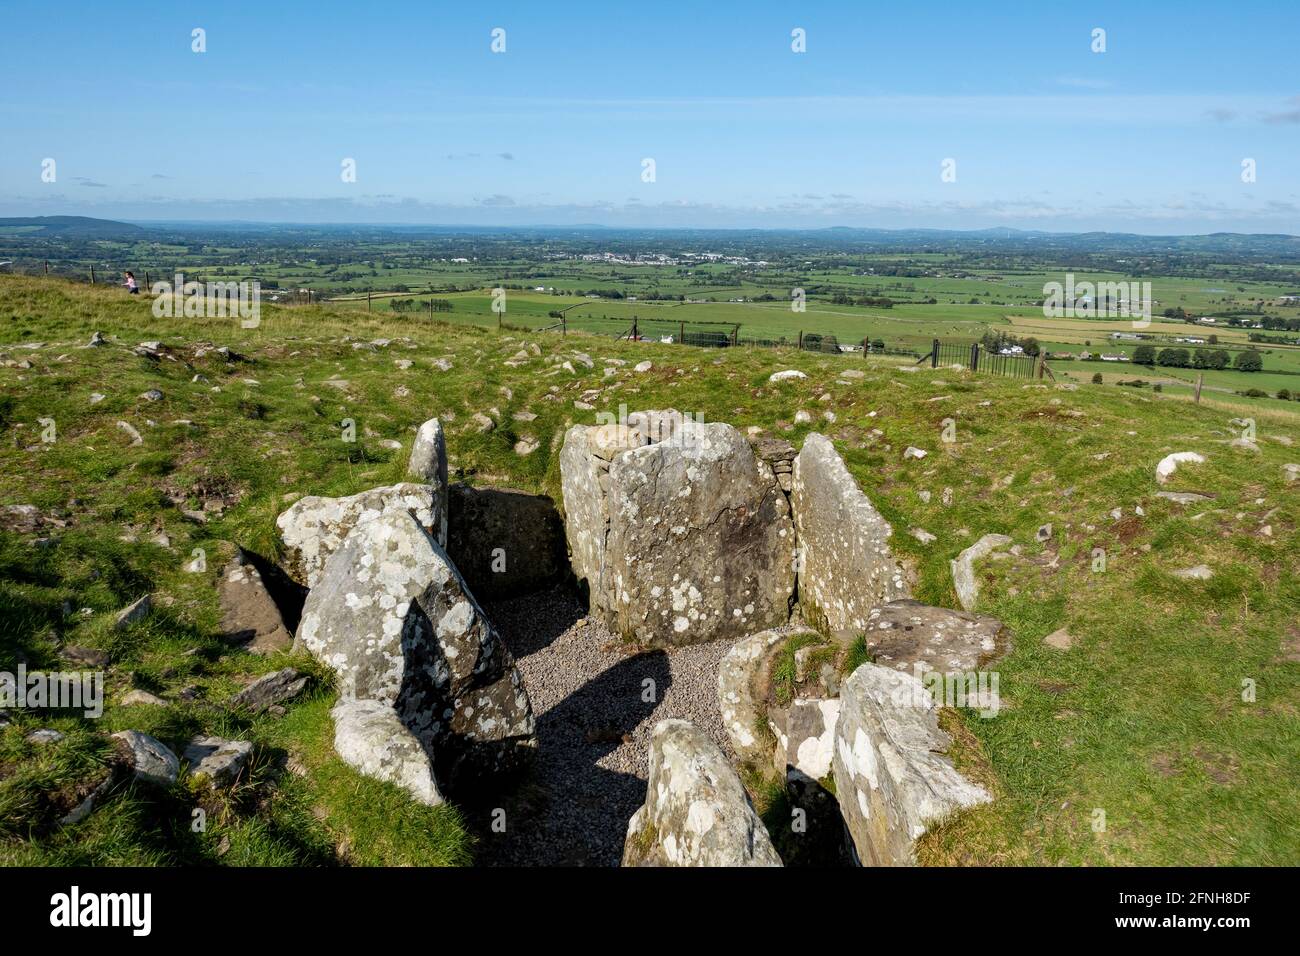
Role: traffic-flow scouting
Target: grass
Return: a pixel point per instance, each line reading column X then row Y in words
column 1143, row 718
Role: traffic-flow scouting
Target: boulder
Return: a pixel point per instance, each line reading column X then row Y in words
column 505, row 542
column 428, row 465
column 268, row 691
column 846, row 567
column 151, row 760
column 805, row 734
column 395, row 620
column 1169, row 464
column 314, row 527
column 217, row 760
column 677, row 529
column 892, row 778
column 697, row 812
column 369, row 737
column 249, row 615
column 963, row 567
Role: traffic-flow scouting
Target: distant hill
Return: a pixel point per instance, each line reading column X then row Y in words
column 68, row 226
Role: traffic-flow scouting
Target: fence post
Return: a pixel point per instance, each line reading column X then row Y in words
column 681, row 333
column 974, row 356
column 564, row 324
column 92, row 275
column 801, row 340
column 735, row 335
column 47, row 266
column 1200, row 380
column 147, row 283
column 1042, row 364
column 934, row 355
column 864, row 348
column 367, row 300
column 636, row 336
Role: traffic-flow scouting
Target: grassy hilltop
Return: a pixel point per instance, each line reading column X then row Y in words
column 1143, row 717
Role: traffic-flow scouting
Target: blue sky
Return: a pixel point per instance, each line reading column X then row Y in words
column 1148, row 136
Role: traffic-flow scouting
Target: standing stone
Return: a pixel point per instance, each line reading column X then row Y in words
column 697, row 812
column 249, row 615
column 684, row 537
column 428, row 464
column 394, row 619
column 315, row 527
column 505, row 542
column 369, row 737
column 738, row 695
column 892, row 778
column 846, row 566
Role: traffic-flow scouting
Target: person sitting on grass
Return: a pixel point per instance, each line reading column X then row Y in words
column 131, row 285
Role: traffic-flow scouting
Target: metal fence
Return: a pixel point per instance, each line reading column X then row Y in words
column 976, row 358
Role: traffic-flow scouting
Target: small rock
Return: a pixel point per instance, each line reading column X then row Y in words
column 137, row 610
column 920, row 534
column 152, row 761
column 913, row 452
column 1044, row 533
column 1169, row 464
column 786, row 375
column 482, row 422
column 130, row 429
column 1059, row 639
column 274, row 688
column 44, row 737
column 1199, row 573
column 142, row 697
column 153, row 395
column 85, row 656
column 219, row 761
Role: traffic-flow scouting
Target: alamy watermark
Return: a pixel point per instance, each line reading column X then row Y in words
column 977, row 690
column 242, row 300
column 669, row 427
column 54, row 690
column 1086, row 300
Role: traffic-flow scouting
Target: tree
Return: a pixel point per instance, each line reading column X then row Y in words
column 1175, row 358
column 1219, row 358
column 1249, row 361
column 1097, row 379
column 1144, row 355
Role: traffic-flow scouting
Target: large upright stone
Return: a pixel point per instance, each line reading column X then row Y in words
column 249, row 615
column 681, row 534
column 846, row 567
column 315, row 527
column 892, row 779
column 505, row 542
column 393, row 618
column 428, row 464
column 696, row 811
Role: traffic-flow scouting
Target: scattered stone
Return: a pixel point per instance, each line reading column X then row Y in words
column 151, row 761
column 85, row 656
column 152, row 395
column 846, row 567
column 1244, row 444
column 802, row 417
column 217, row 760
column 96, row 397
column 697, row 812
column 249, row 615
column 1183, row 497
column 920, row 534
column 96, row 340
column 1044, row 533
column 143, row 697
column 1059, row 639
column 370, row 738
column 963, row 568
column 913, row 452
column 278, row 687
column 892, row 778
column 1291, row 472
column 642, row 367
column 44, row 737
column 526, row 445
column 1169, row 464
column 482, row 423
column 909, row 636
column 1199, row 573
column 137, row 610
column 132, row 433
column 790, row 373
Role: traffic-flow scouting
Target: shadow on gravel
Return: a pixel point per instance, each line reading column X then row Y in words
column 569, row 811
column 532, row 621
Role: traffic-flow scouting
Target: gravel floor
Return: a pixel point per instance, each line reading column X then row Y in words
column 593, row 729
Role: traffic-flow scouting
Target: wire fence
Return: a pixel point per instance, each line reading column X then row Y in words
column 975, row 357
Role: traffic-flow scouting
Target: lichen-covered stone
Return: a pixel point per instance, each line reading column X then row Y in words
column 685, row 537
column 696, row 811
column 907, row 635
column 963, row 568
column 738, row 695
column 217, row 760
column 369, row 737
column 846, row 566
column 806, row 737
column 315, row 527
column 151, row 760
column 428, row 464
column 393, row 618
column 892, row 778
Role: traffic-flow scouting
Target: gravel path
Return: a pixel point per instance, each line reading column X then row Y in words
column 593, row 727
